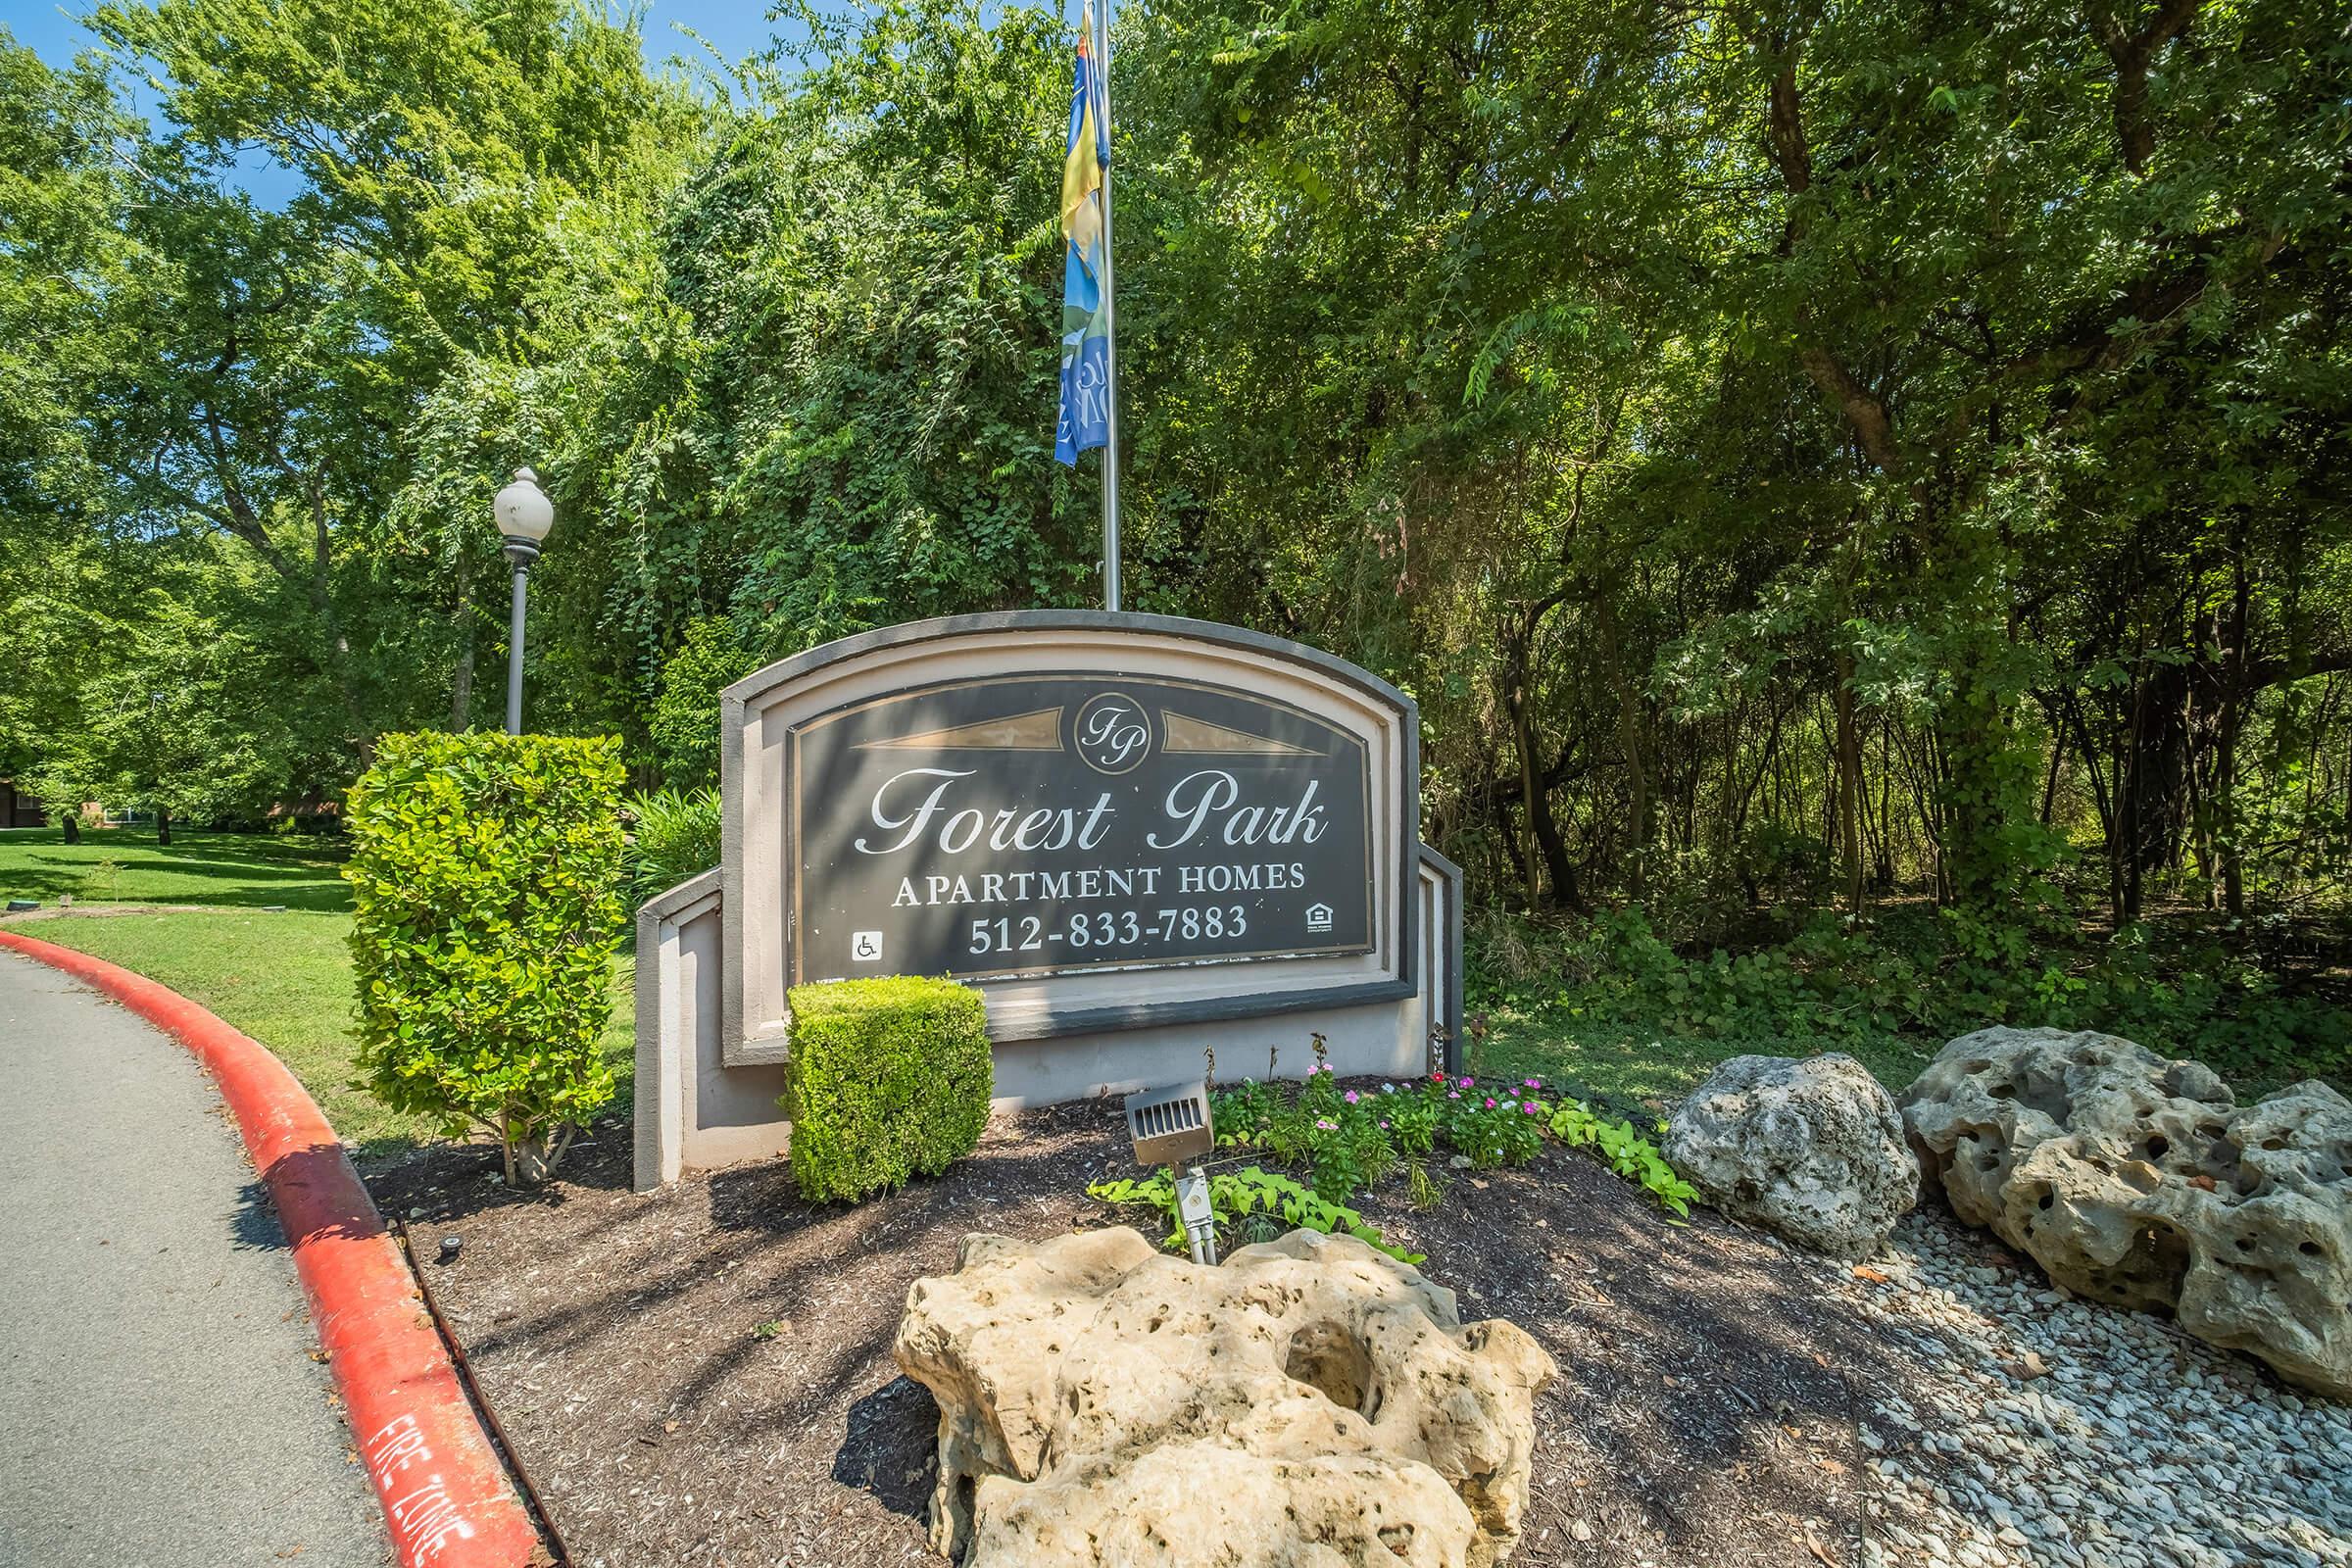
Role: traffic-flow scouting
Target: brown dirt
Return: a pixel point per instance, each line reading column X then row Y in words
column 702, row 1375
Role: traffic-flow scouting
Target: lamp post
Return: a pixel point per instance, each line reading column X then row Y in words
column 525, row 516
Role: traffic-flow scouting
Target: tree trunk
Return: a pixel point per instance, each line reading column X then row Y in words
column 1849, row 785
column 460, row 688
column 461, row 685
column 2110, row 832
column 1629, row 739
column 1629, row 742
column 163, row 825
column 70, row 820
column 2150, row 797
column 531, row 1156
column 2224, row 773
column 1529, row 792
column 1543, row 850
column 2049, row 781
column 1554, row 849
column 1884, row 869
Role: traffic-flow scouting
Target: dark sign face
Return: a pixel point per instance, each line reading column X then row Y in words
column 1039, row 824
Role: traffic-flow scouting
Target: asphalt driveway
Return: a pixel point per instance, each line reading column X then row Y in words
column 160, row 1407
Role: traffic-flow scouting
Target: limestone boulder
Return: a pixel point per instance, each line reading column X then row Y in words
column 1309, row 1403
column 2141, row 1182
column 1810, row 1149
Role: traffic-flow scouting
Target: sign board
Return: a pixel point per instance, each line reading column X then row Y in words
column 1031, row 826
column 1105, row 821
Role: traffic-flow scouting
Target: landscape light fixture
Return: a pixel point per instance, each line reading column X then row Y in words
column 1171, row 1127
column 525, row 516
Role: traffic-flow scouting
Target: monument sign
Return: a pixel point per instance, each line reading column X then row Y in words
column 1138, row 835
column 1031, row 826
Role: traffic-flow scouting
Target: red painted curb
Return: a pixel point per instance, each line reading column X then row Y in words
column 445, row 1495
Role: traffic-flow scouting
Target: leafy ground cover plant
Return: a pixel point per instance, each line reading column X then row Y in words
column 1625, row 1152
column 1260, row 1202
column 485, row 872
column 1890, row 990
column 1349, row 1139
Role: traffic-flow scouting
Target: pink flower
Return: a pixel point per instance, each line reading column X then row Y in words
column 1351, row 1097
column 1490, row 1103
column 1327, row 1126
column 1383, row 1125
column 1534, row 1083
column 1532, row 1108
column 1454, row 1094
column 1469, row 1083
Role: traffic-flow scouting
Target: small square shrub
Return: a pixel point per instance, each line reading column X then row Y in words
column 890, row 1079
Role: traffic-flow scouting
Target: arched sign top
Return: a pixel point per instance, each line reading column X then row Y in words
column 1208, row 633
column 1103, row 820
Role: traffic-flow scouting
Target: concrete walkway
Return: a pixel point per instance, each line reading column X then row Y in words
column 160, row 1407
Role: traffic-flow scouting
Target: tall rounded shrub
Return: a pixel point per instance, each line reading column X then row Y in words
column 487, row 876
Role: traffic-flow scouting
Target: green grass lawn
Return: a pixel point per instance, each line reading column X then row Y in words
column 125, row 865
column 283, row 978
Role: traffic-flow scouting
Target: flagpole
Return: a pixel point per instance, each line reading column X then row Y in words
column 1110, row 341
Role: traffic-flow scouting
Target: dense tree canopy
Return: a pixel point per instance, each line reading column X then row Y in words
column 1794, row 451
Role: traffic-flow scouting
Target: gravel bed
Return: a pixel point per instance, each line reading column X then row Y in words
column 2035, row 1428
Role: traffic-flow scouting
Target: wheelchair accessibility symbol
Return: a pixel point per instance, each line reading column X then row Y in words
column 865, row 947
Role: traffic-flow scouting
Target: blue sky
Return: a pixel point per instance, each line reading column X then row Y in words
column 734, row 27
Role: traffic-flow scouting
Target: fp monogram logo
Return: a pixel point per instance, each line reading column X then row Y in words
column 1113, row 734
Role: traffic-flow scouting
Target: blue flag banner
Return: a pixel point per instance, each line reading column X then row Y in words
column 1085, row 324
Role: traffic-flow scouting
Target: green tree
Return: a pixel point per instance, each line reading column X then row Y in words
column 685, row 716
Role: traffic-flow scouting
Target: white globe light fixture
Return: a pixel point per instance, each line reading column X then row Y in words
column 524, row 513
column 524, row 518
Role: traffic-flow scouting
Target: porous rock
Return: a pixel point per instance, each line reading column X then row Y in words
column 1310, row 1404
column 1810, row 1149
column 2142, row 1183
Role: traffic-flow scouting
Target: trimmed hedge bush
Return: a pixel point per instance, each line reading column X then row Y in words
column 486, row 875
column 890, row 1078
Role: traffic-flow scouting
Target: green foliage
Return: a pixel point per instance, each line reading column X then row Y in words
column 1922, row 978
column 1351, row 1140
column 1257, row 1204
column 684, row 723
column 890, row 1079
column 220, row 446
column 103, row 880
column 1625, row 1152
column 673, row 836
column 858, row 428
column 1491, row 1133
column 1911, row 464
column 485, row 872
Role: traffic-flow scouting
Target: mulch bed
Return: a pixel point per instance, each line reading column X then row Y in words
column 701, row 1374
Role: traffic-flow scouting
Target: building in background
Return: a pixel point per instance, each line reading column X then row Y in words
column 19, row 808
